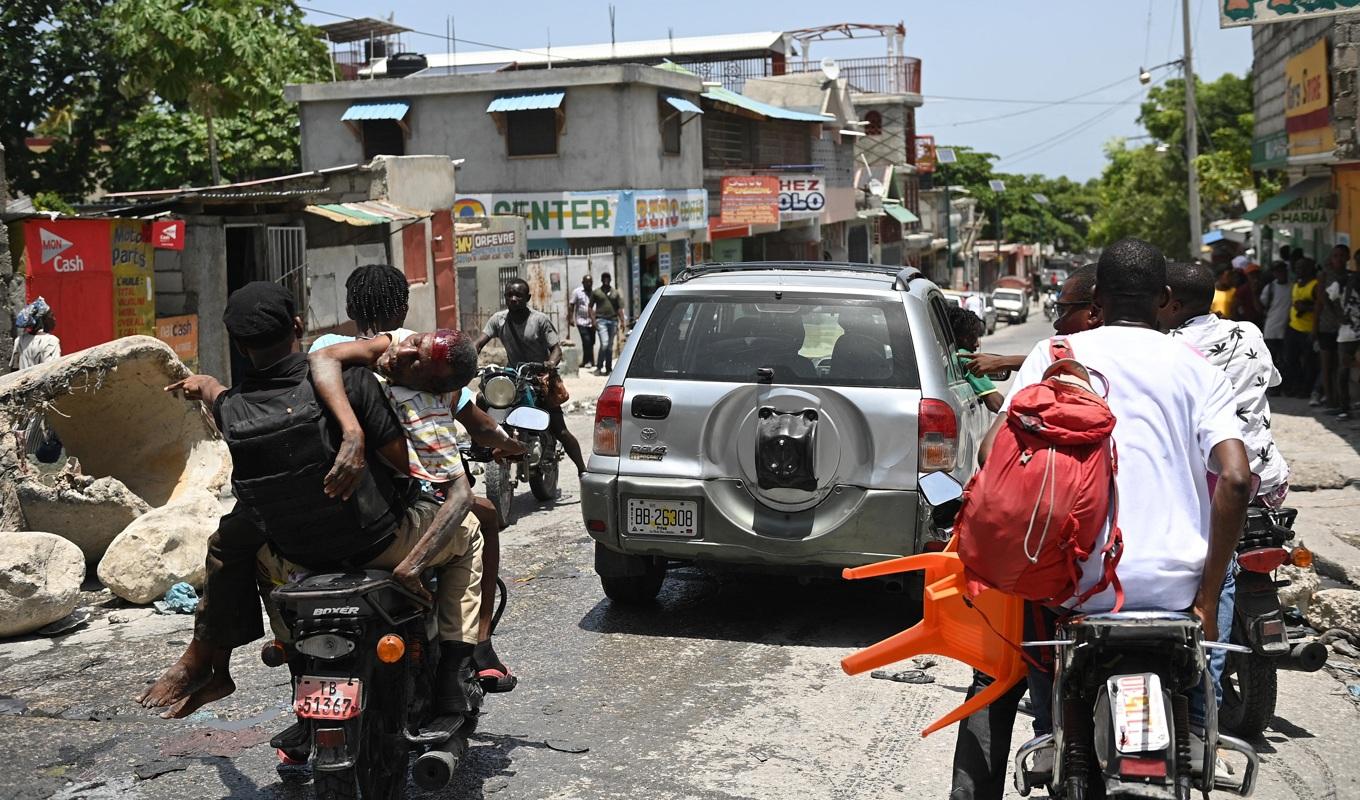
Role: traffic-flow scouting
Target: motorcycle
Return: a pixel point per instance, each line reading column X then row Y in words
column 1249, row 678
column 1121, row 701
column 504, row 392
column 363, row 656
column 1050, row 305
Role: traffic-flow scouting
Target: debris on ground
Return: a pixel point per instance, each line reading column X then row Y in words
column 1336, row 608
column 925, row 662
column 904, row 676
column 66, row 624
column 179, row 599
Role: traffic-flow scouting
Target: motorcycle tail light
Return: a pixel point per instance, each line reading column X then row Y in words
column 1263, row 559
column 937, row 437
column 1301, row 557
column 391, row 648
column 499, row 392
column 1142, row 768
column 608, row 421
column 273, row 654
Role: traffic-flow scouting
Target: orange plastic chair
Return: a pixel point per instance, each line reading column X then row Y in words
column 950, row 628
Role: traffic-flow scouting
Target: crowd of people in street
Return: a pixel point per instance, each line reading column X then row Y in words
column 1309, row 316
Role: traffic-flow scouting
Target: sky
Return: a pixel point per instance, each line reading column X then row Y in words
column 975, row 54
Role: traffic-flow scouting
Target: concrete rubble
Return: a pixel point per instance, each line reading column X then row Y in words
column 130, row 449
column 40, row 577
column 1335, row 608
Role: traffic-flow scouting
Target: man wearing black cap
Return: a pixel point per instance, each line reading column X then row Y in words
column 283, row 447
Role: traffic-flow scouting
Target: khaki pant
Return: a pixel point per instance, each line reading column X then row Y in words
column 458, row 597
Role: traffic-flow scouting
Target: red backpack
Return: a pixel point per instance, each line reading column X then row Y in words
column 1033, row 514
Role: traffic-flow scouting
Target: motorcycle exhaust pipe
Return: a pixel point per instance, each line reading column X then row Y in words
column 435, row 769
column 1304, row 657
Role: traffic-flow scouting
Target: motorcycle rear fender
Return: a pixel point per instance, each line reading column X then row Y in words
column 330, row 758
column 1258, row 618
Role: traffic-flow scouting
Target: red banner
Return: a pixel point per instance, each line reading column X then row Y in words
column 70, row 264
column 750, row 200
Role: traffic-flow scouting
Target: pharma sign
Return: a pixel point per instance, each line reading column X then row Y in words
column 1316, row 209
column 801, row 196
column 750, row 200
column 576, row 215
column 1307, row 102
column 1233, row 13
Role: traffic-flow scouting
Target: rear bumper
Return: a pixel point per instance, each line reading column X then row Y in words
column 850, row 528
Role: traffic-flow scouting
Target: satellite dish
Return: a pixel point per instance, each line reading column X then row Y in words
column 830, row 68
column 876, row 187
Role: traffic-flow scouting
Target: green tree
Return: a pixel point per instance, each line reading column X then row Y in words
column 58, row 78
column 1143, row 190
column 218, row 59
column 1064, row 222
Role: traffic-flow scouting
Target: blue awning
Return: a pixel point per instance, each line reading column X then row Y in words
column 720, row 95
column 681, row 104
column 527, row 101
column 388, row 110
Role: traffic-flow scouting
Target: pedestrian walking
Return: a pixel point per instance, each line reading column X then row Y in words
column 1329, row 324
column 579, row 310
column 1225, row 289
column 36, row 343
column 1275, row 301
column 605, row 304
column 1299, row 361
column 1347, row 297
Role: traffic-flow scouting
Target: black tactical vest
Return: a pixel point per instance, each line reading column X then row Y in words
column 281, row 449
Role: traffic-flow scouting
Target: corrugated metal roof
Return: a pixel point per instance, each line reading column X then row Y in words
column 902, row 215
column 729, row 43
column 681, row 104
column 372, row 212
column 527, row 101
column 394, row 110
column 720, row 95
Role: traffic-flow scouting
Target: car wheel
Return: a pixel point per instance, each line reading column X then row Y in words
column 635, row 590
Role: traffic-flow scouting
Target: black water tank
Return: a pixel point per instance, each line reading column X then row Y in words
column 400, row 65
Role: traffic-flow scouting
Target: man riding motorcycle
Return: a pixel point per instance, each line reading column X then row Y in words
column 381, row 522
column 529, row 336
column 1175, row 418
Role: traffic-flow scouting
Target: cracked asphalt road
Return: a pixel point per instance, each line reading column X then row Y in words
column 729, row 687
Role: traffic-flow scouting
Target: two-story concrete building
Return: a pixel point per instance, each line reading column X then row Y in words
column 592, row 157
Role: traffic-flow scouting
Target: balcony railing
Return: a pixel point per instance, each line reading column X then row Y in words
column 883, row 75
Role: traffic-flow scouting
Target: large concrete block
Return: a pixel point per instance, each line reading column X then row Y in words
column 162, row 548
column 40, row 577
column 88, row 512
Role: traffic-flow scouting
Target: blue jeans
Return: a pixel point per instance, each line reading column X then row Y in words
column 604, row 331
column 1227, row 604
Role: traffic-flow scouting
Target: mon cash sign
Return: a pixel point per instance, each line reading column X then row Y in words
column 576, row 215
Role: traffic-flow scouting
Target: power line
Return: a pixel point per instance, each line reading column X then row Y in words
column 1042, row 104
column 1064, row 135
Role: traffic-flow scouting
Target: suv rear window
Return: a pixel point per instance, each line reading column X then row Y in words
column 1008, row 294
column 808, row 341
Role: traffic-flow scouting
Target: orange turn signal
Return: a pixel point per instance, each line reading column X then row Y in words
column 274, row 654
column 1301, row 557
column 391, row 648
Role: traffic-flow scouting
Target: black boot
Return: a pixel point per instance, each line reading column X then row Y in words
column 455, row 688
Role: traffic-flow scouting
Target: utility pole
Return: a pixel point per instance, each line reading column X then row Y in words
column 1191, row 136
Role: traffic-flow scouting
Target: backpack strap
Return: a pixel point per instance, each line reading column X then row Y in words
column 1113, row 549
column 1058, row 348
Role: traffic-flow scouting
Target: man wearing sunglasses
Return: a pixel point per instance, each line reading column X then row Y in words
column 1076, row 312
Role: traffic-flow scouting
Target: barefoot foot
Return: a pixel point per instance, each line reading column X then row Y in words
column 176, row 683
column 217, row 687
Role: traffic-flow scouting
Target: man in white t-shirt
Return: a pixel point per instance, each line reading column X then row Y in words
column 1275, row 300
column 1176, row 422
column 973, row 302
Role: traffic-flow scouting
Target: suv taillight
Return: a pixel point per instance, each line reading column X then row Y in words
column 937, row 437
column 608, row 421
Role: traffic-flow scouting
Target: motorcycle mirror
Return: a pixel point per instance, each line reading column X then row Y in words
column 940, row 488
column 528, row 418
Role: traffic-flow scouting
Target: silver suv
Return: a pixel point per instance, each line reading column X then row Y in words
column 776, row 415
